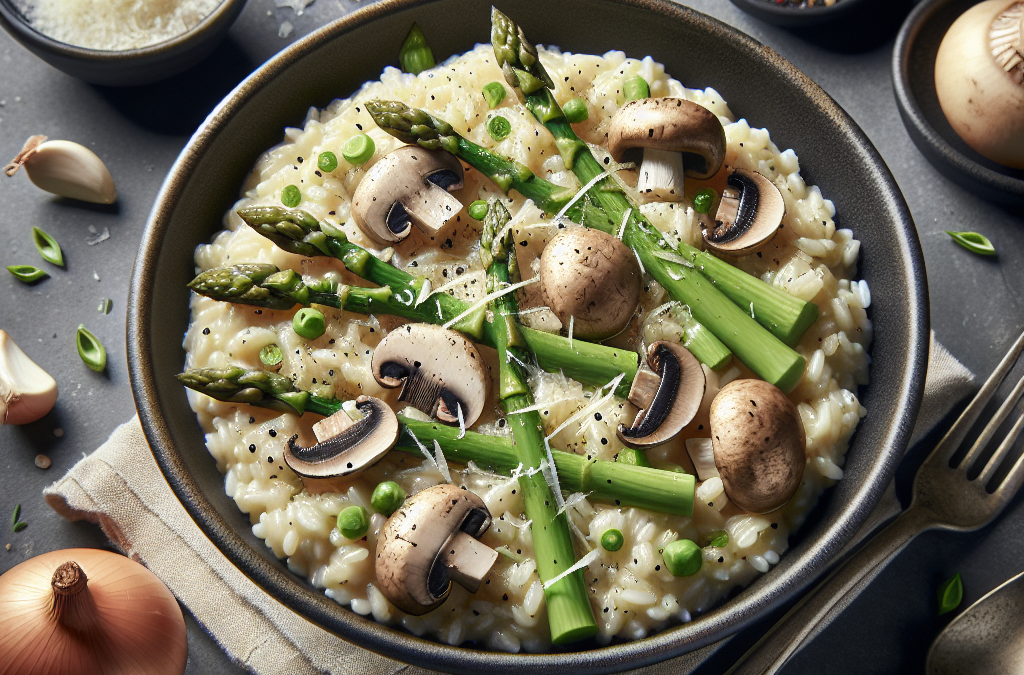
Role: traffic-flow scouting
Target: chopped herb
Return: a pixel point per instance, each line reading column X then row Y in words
column 718, row 539
column 91, row 350
column 703, row 200
column 16, row 516
column 499, row 128
column 48, row 247
column 951, row 592
column 26, row 273
column 106, row 304
column 18, row 527
column 973, row 242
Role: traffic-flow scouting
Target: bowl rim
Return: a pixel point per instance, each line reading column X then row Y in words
column 788, row 16
column 933, row 145
column 15, row 22
column 754, row 603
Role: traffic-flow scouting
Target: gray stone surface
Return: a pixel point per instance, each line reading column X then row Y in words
column 975, row 302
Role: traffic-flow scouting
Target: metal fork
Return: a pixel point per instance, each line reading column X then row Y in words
column 943, row 498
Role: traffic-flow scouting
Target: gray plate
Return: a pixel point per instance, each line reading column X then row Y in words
column 697, row 50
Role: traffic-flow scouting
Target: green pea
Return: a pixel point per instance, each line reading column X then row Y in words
column 494, row 94
column 683, row 558
column 309, row 323
column 358, row 150
column 635, row 88
column 387, row 497
column 499, row 128
column 91, row 350
column 290, row 196
column 612, row 540
column 271, row 355
column 26, row 273
column 950, row 593
column 478, row 210
column 633, row 457
column 575, row 110
column 327, row 161
column 704, row 199
column 353, row 522
column 415, row 55
column 48, row 247
column 718, row 539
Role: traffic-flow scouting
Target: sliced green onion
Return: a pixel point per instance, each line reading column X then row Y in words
column 635, row 88
column 26, row 273
column 19, row 526
column 271, row 355
column 290, row 196
column 477, row 210
column 17, row 515
column 494, row 94
column 499, row 128
column 48, row 247
column 703, row 200
column 633, row 457
column 951, row 592
column 973, row 242
column 353, row 522
column 309, row 323
column 575, row 110
column 327, row 161
column 91, row 350
column 415, row 55
column 718, row 539
column 612, row 540
column 106, row 304
column 358, row 150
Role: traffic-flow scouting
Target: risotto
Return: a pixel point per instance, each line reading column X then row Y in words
column 631, row 591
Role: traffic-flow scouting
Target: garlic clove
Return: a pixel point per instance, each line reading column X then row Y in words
column 27, row 392
column 65, row 168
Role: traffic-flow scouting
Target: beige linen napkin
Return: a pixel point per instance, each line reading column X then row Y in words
column 120, row 488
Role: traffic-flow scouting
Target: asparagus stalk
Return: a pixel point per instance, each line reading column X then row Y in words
column 761, row 351
column 297, row 231
column 570, row 615
column 613, row 482
column 412, row 125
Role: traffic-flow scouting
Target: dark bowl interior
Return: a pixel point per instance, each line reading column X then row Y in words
column 129, row 67
column 700, row 52
column 789, row 16
column 913, row 76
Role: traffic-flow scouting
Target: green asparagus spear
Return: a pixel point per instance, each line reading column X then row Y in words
column 761, row 351
column 614, row 482
column 570, row 615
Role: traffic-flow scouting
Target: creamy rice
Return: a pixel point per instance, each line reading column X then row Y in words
column 632, row 594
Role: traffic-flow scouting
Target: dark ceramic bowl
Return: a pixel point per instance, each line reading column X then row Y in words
column 789, row 16
column 913, row 78
column 129, row 67
column 701, row 52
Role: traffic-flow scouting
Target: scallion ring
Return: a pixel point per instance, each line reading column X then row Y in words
column 26, row 273
column 494, row 94
column 499, row 128
column 91, row 350
column 951, row 592
column 48, row 247
column 271, row 355
column 973, row 242
column 358, row 150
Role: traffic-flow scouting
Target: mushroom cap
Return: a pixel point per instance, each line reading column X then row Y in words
column 668, row 401
column 438, row 370
column 978, row 80
column 673, row 124
column 411, row 177
column 409, row 570
column 758, row 441
column 750, row 222
column 593, row 277
column 349, row 448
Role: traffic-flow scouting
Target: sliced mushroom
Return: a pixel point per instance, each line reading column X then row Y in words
column 749, row 215
column 668, row 131
column 591, row 277
column 344, row 448
column 758, row 440
column 439, row 370
column 668, row 390
column 408, row 186
column 430, row 541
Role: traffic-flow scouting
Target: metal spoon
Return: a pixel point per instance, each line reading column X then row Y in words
column 987, row 638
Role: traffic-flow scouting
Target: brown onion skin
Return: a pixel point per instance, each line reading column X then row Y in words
column 125, row 622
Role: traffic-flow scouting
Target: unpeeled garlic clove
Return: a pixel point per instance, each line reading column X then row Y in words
column 65, row 168
column 27, row 392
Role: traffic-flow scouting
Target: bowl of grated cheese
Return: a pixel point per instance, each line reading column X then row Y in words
column 119, row 42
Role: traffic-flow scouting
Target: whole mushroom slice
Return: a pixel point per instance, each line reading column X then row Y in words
column 668, row 131
column 749, row 215
column 408, row 186
column 430, row 541
column 758, row 440
column 439, row 370
column 592, row 278
column 668, row 390
column 344, row 448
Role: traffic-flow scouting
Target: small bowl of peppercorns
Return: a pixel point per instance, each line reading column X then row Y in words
column 803, row 13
